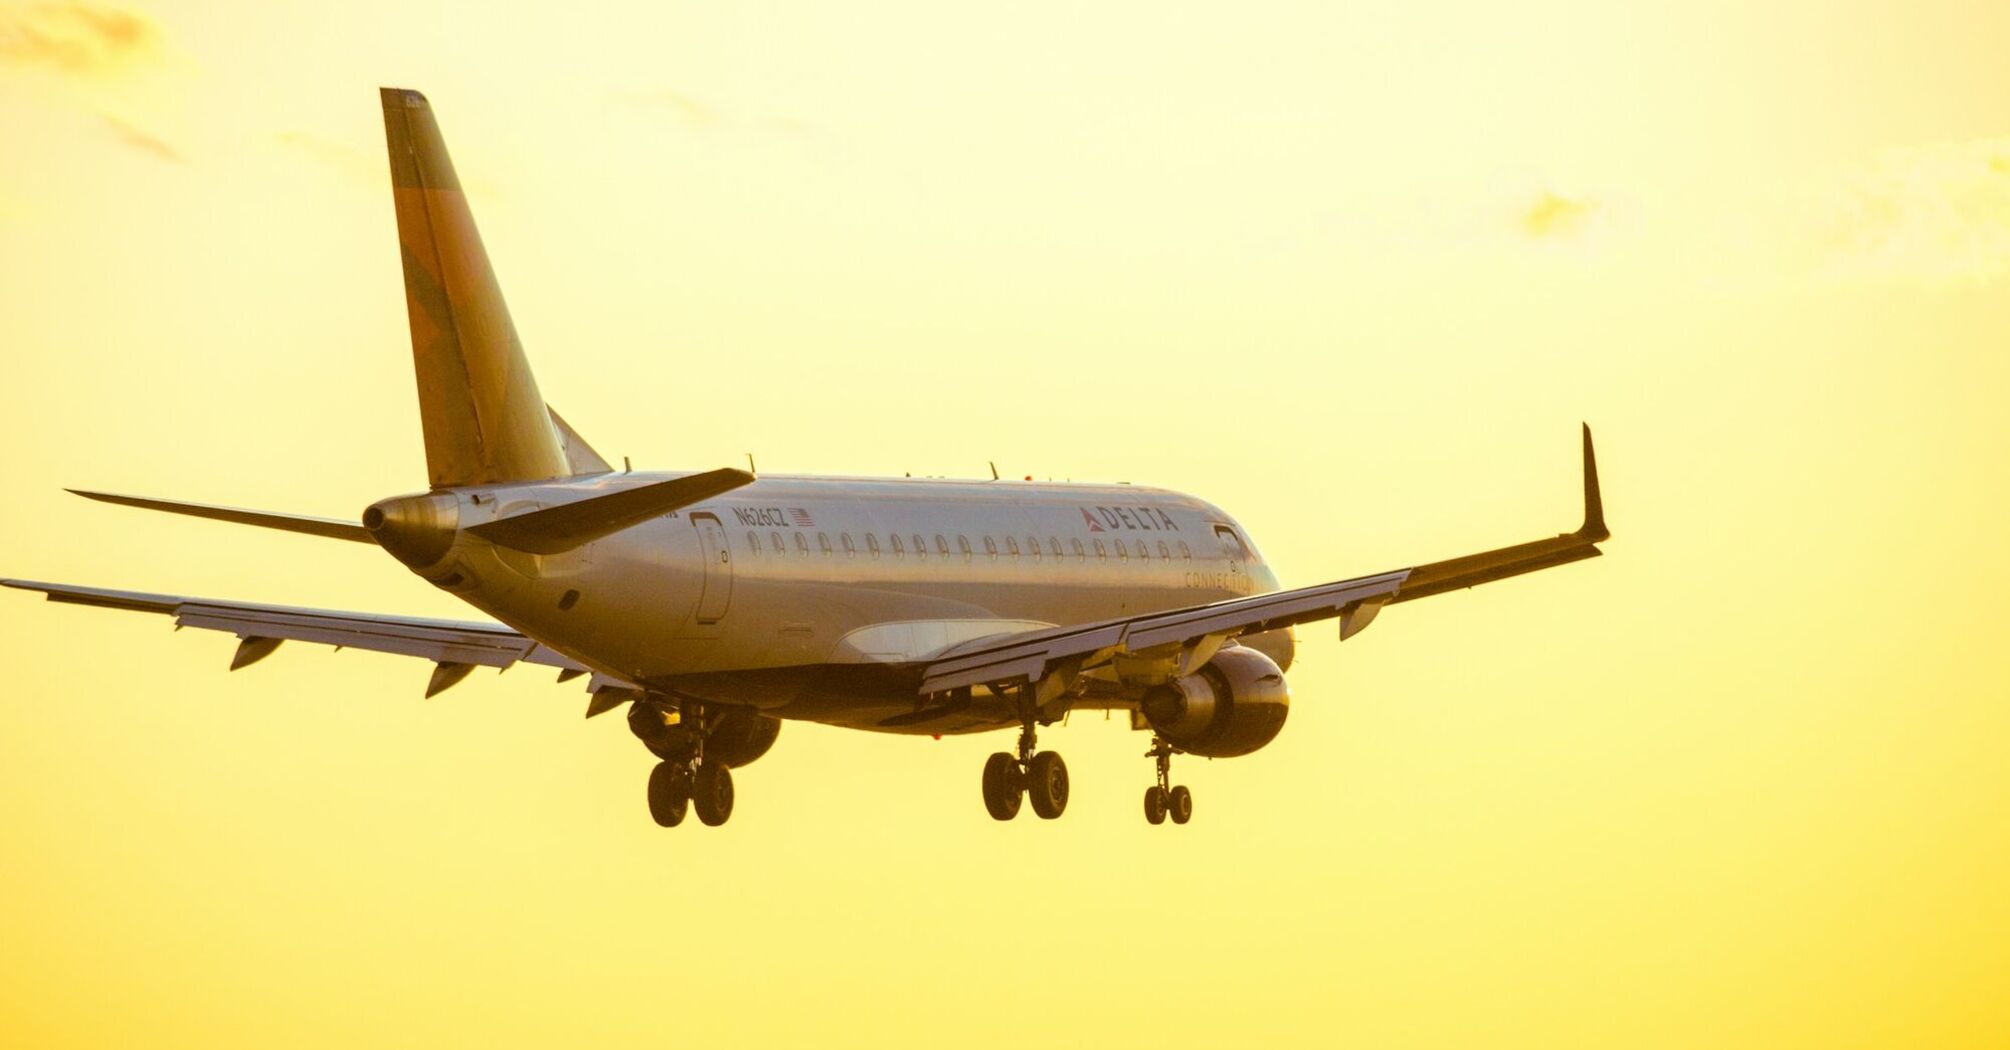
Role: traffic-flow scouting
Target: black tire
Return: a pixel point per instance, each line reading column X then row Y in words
column 712, row 793
column 669, row 794
column 1047, row 785
column 1155, row 805
column 1179, row 805
column 1002, row 790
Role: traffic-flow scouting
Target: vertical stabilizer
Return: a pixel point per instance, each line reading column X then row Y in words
column 484, row 419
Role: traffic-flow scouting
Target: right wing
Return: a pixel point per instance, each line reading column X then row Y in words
column 1192, row 635
column 456, row 647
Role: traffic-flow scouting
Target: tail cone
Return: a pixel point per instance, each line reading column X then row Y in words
column 417, row 530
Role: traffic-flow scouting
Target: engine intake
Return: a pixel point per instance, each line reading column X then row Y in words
column 1233, row 705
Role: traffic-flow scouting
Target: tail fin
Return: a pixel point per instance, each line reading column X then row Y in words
column 483, row 417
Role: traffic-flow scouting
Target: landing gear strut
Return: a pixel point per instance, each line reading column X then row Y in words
column 685, row 779
column 1039, row 777
column 1163, row 800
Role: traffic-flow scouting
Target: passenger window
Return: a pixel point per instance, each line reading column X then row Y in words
column 775, row 541
column 802, row 545
column 754, row 544
column 963, row 544
column 1033, row 547
column 1164, row 554
column 1185, row 552
column 872, row 543
column 941, row 546
column 850, row 551
column 991, row 548
column 1054, row 544
column 898, row 550
column 920, row 547
column 1122, row 554
column 1012, row 546
column 824, row 541
column 1102, row 553
column 1143, row 555
column 1078, row 549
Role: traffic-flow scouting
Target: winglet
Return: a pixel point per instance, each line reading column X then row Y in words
column 1593, row 530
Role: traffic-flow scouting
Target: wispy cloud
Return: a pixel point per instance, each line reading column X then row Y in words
column 689, row 111
column 337, row 155
column 1935, row 213
column 86, row 52
column 699, row 114
column 138, row 138
column 1553, row 215
column 76, row 38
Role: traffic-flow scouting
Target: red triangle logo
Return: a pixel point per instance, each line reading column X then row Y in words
column 1094, row 525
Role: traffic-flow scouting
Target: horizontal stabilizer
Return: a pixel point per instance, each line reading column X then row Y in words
column 329, row 528
column 554, row 530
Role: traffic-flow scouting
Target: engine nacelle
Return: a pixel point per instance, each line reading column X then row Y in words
column 738, row 735
column 1233, row 705
column 741, row 736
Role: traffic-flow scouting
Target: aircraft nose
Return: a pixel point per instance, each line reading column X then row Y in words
column 417, row 530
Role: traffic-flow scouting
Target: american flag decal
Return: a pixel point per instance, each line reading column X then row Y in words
column 801, row 517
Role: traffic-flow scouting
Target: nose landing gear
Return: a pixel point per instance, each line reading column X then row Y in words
column 1163, row 800
column 1039, row 777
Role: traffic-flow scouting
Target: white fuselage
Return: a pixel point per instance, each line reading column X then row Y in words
column 818, row 597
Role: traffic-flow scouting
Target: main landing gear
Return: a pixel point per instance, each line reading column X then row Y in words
column 675, row 788
column 685, row 779
column 1036, row 776
column 1161, row 800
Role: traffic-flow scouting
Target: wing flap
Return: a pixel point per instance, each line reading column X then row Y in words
column 1028, row 657
column 455, row 643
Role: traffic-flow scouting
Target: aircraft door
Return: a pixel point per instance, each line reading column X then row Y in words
column 717, row 587
column 1237, row 554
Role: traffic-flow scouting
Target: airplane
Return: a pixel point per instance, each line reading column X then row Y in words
column 718, row 604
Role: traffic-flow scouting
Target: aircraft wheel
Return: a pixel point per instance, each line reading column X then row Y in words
column 712, row 793
column 1047, row 785
column 1180, row 805
column 669, row 793
column 1155, row 805
column 1002, row 790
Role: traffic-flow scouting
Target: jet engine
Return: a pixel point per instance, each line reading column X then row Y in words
column 1233, row 705
column 737, row 736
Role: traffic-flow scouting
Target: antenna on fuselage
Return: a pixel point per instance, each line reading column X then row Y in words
column 750, row 464
column 994, row 469
column 627, row 467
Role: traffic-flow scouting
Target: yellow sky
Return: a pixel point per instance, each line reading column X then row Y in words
column 1353, row 271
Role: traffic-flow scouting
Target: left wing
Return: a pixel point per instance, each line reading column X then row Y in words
column 456, row 647
column 1189, row 637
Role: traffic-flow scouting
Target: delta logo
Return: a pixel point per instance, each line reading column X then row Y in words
column 1128, row 519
